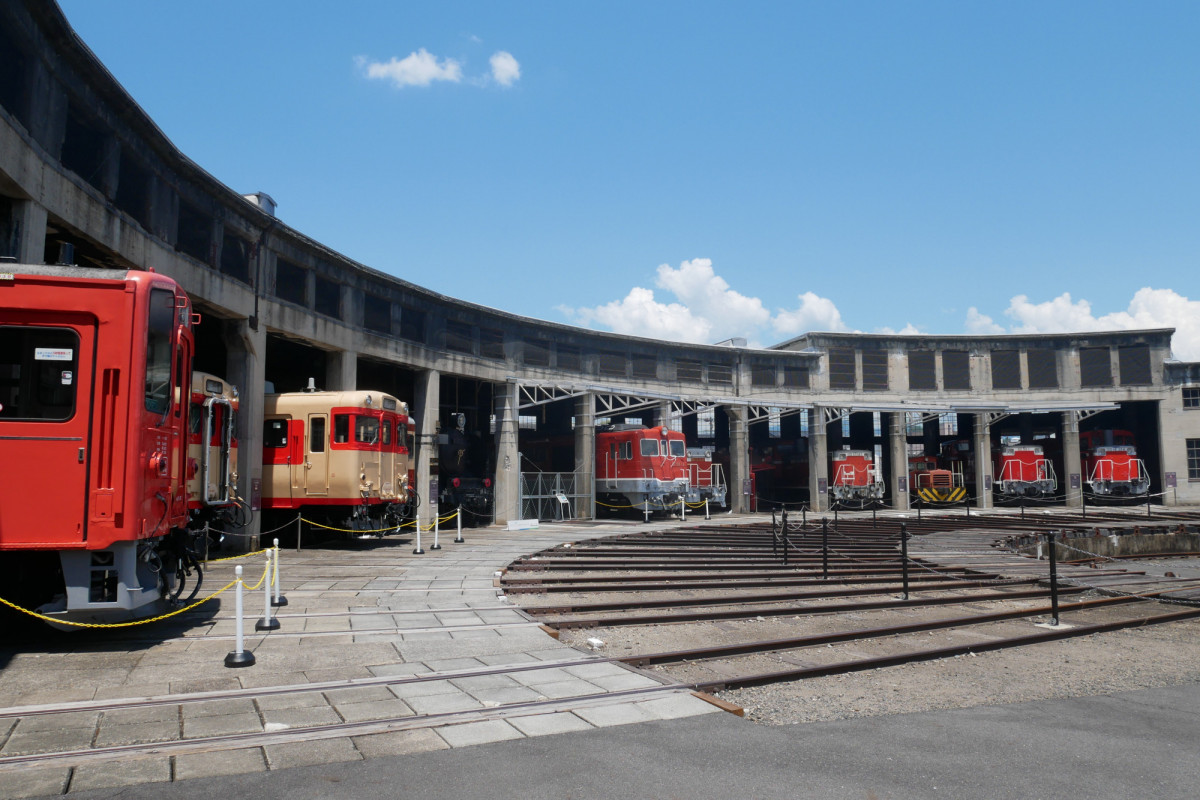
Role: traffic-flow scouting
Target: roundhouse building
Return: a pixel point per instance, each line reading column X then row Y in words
column 87, row 178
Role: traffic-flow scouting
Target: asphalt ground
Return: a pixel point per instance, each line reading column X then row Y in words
column 1143, row 744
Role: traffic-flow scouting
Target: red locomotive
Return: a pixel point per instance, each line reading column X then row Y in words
column 1022, row 470
column 854, row 476
column 643, row 467
column 342, row 459
column 95, row 372
column 705, row 481
column 1110, row 462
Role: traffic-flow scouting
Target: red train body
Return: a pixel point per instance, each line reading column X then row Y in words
column 651, row 467
column 1022, row 470
column 95, row 372
column 854, row 476
column 1109, row 460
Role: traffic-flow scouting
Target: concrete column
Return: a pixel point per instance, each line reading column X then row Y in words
column 1072, row 460
column 425, row 415
column 818, row 460
column 739, row 458
column 585, row 454
column 341, row 371
column 898, row 445
column 246, row 368
column 508, row 469
column 30, row 221
column 983, row 462
column 662, row 414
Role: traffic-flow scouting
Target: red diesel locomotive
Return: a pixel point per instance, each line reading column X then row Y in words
column 854, row 477
column 95, row 376
column 1109, row 460
column 636, row 466
column 1022, row 470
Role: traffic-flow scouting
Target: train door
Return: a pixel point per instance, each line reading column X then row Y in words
column 45, row 429
column 316, row 462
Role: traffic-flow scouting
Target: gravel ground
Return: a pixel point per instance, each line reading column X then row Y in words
column 1097, row 664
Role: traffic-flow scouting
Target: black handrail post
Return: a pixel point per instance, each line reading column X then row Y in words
column 1083, row 498
column 1022, row 506
column 1053, row 578
column 919, row 504
column 904, row 557
column 1147, row 505
column 825, row 548
column 874, row 512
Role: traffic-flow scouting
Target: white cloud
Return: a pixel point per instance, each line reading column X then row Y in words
column 815, row 313
column 708, row 310
column 505, row 69
column 417, row 69
column 1149, row 308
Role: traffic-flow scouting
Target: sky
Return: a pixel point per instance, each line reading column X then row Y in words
column 698, row 171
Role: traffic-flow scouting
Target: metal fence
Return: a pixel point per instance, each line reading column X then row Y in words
column 555, row 495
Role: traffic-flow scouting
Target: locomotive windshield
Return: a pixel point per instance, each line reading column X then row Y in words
column 678, row 448
column 158, row 350
column 649, row 447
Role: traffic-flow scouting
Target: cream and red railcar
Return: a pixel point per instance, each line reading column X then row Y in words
column 854, row 477
column 95, row 371
column 212, row 479
column 340, row 459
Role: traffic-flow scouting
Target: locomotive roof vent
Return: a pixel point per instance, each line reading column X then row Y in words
column 263, row 201
column 312, row 385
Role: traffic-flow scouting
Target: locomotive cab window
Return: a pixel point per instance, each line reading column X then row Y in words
column 158, row 350
column 678, row 448
column 341, row 428
column 38, row 373
column 385, row 433
column 649, row 447
column 366, row 429
column 275, row 433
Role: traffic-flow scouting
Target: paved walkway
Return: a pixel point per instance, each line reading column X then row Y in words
column 360, row 617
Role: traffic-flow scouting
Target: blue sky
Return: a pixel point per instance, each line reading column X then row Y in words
column 702, row 170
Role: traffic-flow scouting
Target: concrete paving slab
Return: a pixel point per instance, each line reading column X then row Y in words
column 29, row 781
column 549, row 724
column 321, row 751
column 217, row 708
column 220, row 762
column 423, row 689
column 557, row 690
column 682, row 704
column 359, row 694
column 443, row 703
column 379, row 709
column 125, row 772
column 217, row 726
column 141, row 733
column 47, row 741
column 398, row 743
column 148, row 714
column 608, row 716
column 299, row 717
column 473, row 733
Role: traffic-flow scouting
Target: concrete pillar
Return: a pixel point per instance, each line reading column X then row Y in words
column 983, row 462
column 1072, row 460
column 508, row 469
column 739, row 458
column 898, row 446
column 246, row 368
column 341, row 371
column 662, row 414
column 29, row 218
column 585, row 454
column 425, row 415
column 818, row 460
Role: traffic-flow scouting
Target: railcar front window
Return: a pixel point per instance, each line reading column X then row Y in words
column 366, row 429
column 39, row 369
column 158, row 350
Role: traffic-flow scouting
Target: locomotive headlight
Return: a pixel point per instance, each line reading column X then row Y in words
column 369, row 401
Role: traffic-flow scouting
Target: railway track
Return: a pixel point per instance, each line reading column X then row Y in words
column 702, row 583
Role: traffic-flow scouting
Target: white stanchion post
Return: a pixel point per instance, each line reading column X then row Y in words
column 239, row 657
column 682, row 508
column 268, row 622
column 706, row 516
column 646, row 509
column 436, row 527
column 419, row 551
column 279, row 600
column 458, row 517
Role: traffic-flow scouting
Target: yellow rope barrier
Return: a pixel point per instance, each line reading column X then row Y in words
column 146, row 621
column 234, row 558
